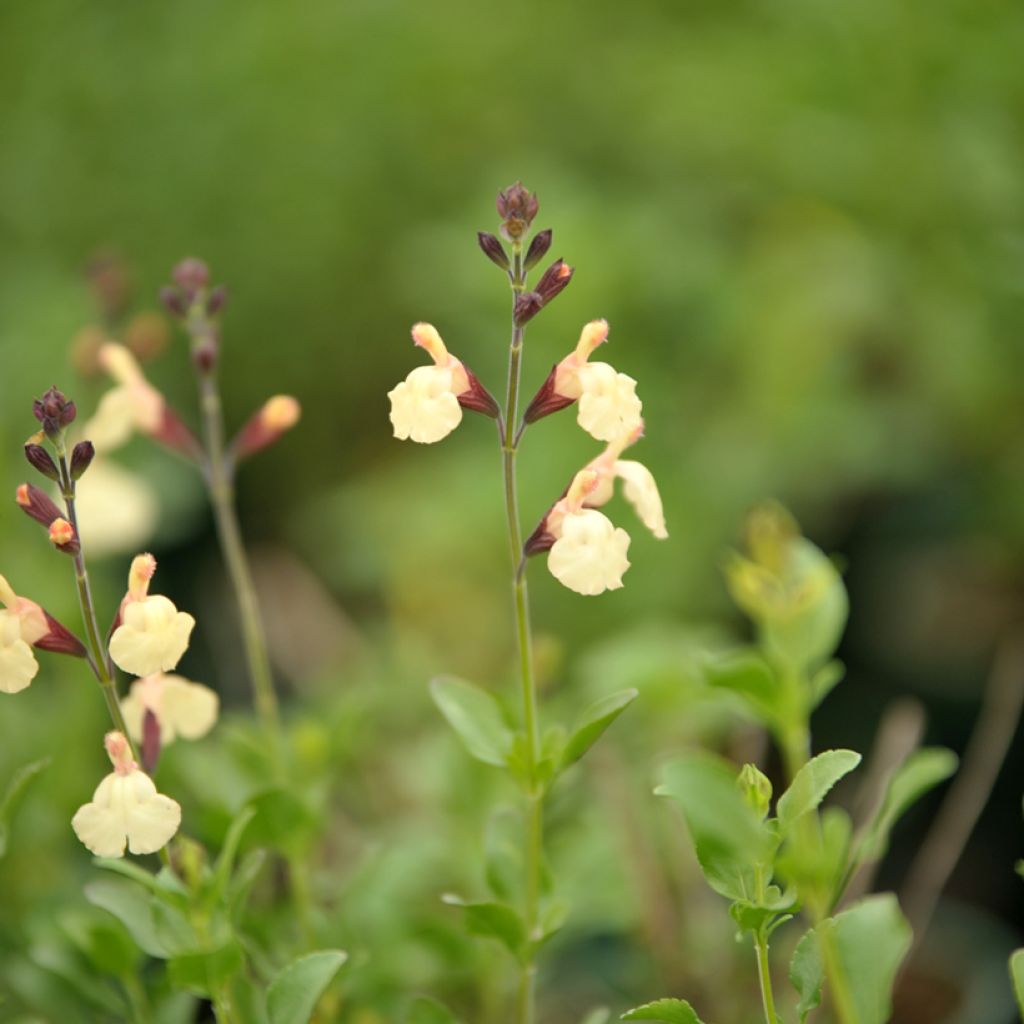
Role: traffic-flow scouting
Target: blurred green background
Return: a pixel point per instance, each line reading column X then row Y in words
column 803, row 222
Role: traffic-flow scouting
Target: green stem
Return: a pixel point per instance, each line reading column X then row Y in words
column 220, row 481
column 838, row 989
column 765, row 977
column 531, row 719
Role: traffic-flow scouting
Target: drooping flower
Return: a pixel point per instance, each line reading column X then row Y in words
column 24, row 625
column 608, row 404
column 638, row 485
column 181, row 708
column 427, row 406
column 134, row 405
column 586, row 552
column 152, row 634
column 126, row 809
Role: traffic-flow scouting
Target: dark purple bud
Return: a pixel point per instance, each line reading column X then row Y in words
column 547, row 400
column 191, row 276
column 527, row 306
column 554, row 280
column 539, row 245
column 150, row 742
column 217, row 300
column 517, row 207
column 37, row 504
column 39, row 458
column 81, row 458
column 493, row 249
column 60, row 639
column 172, row 301
column 54, row 411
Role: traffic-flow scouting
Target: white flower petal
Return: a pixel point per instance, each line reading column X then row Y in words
column 126, row 808
column 18, row 665
column 152, row 637
column 590, row 555
column 608, row 405
column 641, row 492
column 424, row 407
column 182, row 708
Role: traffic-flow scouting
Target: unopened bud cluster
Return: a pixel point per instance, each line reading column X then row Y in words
column 585, row 551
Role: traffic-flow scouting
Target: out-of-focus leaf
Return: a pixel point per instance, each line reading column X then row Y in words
column 12, row 797
column 749, row 676
column 281, row 820
column 476, row 718
column 825, row 680
column 868, row 941
column 429, row 1011
column 103, row 939
column 812, row 783
column 596, row 719
column 494, row 920
column 132, row 906
column 294, row 993
column 205, row 973
column 601, row 1015
column 91, row 988
column 668, row 1011
column 729, row 840
column 922, row 771
column 1017, row 974
column 226, row 858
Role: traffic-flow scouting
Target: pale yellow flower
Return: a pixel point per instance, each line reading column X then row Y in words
column 182, row 708
column 638, row 485
column 126, row 809
column 18, row 665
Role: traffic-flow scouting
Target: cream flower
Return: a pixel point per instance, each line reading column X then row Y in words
column 586, row 553
column 639, row 487
column 182, row 708
column 608, row 403
column 134, row 404
column 427, row 406
column 153, row 634
column 126, row 808
column 18, row 665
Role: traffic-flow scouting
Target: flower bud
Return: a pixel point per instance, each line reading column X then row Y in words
column 37, row 504
column 527, row 306
column 191, row 276
column 55, row 412
column 39, row 458
column 554, row 280
column 277, row 415
column 81, row 458
column 493, row 249
column 539, row 245
column 753, row 784
column 63, row 537
column 173, row 301
column 517, row 207
column 217, row 301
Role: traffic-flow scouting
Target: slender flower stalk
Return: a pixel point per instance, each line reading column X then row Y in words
column 534, row 811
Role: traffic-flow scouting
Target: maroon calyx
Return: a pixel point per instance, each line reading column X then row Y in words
column 150, row 752
column 547, row 400
column 60, row 639
column 477, row 397
column 37, row 504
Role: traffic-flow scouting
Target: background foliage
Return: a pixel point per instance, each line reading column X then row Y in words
column 803, row 222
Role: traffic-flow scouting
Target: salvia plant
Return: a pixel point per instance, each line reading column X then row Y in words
column 232, row 927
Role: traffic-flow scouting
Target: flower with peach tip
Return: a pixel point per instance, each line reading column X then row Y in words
column 639, row 487
column 37, row 627
column 427, row 406
column 63, row 537
column 18, row 665
column 181, row 708
column 608, row 403
column 126, row 809
column 134, row 405
column 152, row 634
column 586, row 552
column 36, row 504
column 276, row 416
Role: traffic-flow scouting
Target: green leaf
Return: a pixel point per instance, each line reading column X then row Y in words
column 1017, row 974
column 226, row 858
column 12, row 797
column 668, row 1011
column 825, row 680
column 132, row 906
column 476, row 718
column 205, row 973
column 429, row 1011
column 729, row 840
column 922, row 771
column 812, row 783
column 294, row 993
column 749, row 676
column 866, row 945
column 493, row 920
column 594, row 722
column 281, row 820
